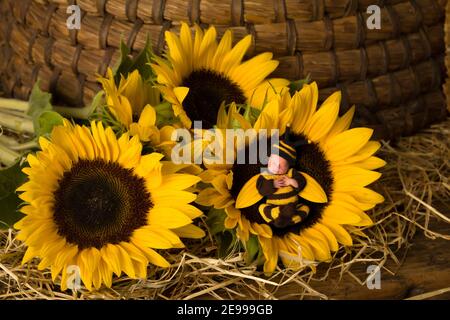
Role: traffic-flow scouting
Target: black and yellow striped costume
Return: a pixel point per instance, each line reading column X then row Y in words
column 282, row 207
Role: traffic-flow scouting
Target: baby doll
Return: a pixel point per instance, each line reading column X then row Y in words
column 280, row 186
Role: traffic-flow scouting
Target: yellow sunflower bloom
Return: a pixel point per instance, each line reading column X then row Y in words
column 93, row 201
column 338, row 164
column 131, row 103
column 200, row 74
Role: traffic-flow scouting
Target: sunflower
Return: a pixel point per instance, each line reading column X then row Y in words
column 199, row 74
column 132, row 104
column 337, row 161
column 94, row 202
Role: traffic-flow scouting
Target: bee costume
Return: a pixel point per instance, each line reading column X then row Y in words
column 282, row 207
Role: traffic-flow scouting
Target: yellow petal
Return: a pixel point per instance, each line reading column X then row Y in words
column 234, row 57
column 148, row 116
column 318, row 246
column 249, row 194
column 168, row 218
column 323, row 120
column 155, row 258
column 364, row 153
column 347, row 143
column 164, row 198
column 329, row 236
column 366, row 195
column 223, row 48
column 190, row 231
column 313, row 191
column 340, row 233
column 110, row 255
column 347, row 197
column 230, row 223
column 149, row 162
column 148, row 238
column 207, row 197
column 347, row 178
column 179, row 181
column 125, row 262
column 187, row 209
column 219, row 183
column 304, row 103
column 297, row 244
column 317, row 236
column 262, row 230
column 371, row 163
column 270, row 251
column 341, row 213
column 342, row 123
column 365, row 220
column 181, row 93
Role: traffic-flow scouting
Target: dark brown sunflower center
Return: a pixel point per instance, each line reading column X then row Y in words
column 310, row 160
column 99, row 202
column 207, row 90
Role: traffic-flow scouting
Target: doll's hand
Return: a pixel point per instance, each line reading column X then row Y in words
column 291, row 182
column 278, row 183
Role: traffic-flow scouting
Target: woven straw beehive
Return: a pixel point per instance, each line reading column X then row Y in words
column 447, row 53
column 394, row 75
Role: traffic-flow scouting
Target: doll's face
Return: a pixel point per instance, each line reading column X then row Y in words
column 277, row 165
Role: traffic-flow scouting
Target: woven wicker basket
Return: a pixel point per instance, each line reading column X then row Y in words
column 447, row 53
column 394, row 75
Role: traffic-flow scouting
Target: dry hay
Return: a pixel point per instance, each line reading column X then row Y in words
column 415, row 183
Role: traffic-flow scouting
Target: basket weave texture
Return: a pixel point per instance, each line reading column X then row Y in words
column 393, row 75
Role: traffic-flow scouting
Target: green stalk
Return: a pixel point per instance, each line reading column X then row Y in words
column 16, row 123
column 8, row 141
column 12, row 144
column 14, row 104
column 81, row 113
column 8, row 157
column 15, row 113
column 24, row 146
column 78, row 113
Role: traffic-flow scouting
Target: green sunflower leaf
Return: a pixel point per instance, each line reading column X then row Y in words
column 125, row 62
column 164, row 114
column 39, row 101
column 260, row 259
column 41, row 111
column 253, row 115
column 226, row 239
column 10, row 179
column 216, row 220
column 297, row 85
column 47, row 120
column 143, row 59
column 128, row 64
column 252, row 248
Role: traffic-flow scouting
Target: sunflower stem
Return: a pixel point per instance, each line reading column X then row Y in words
column 16, row 123
column 79, row 113
column 24, row 146
column 8, row 141
column 8, row 157
column 14, row 104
